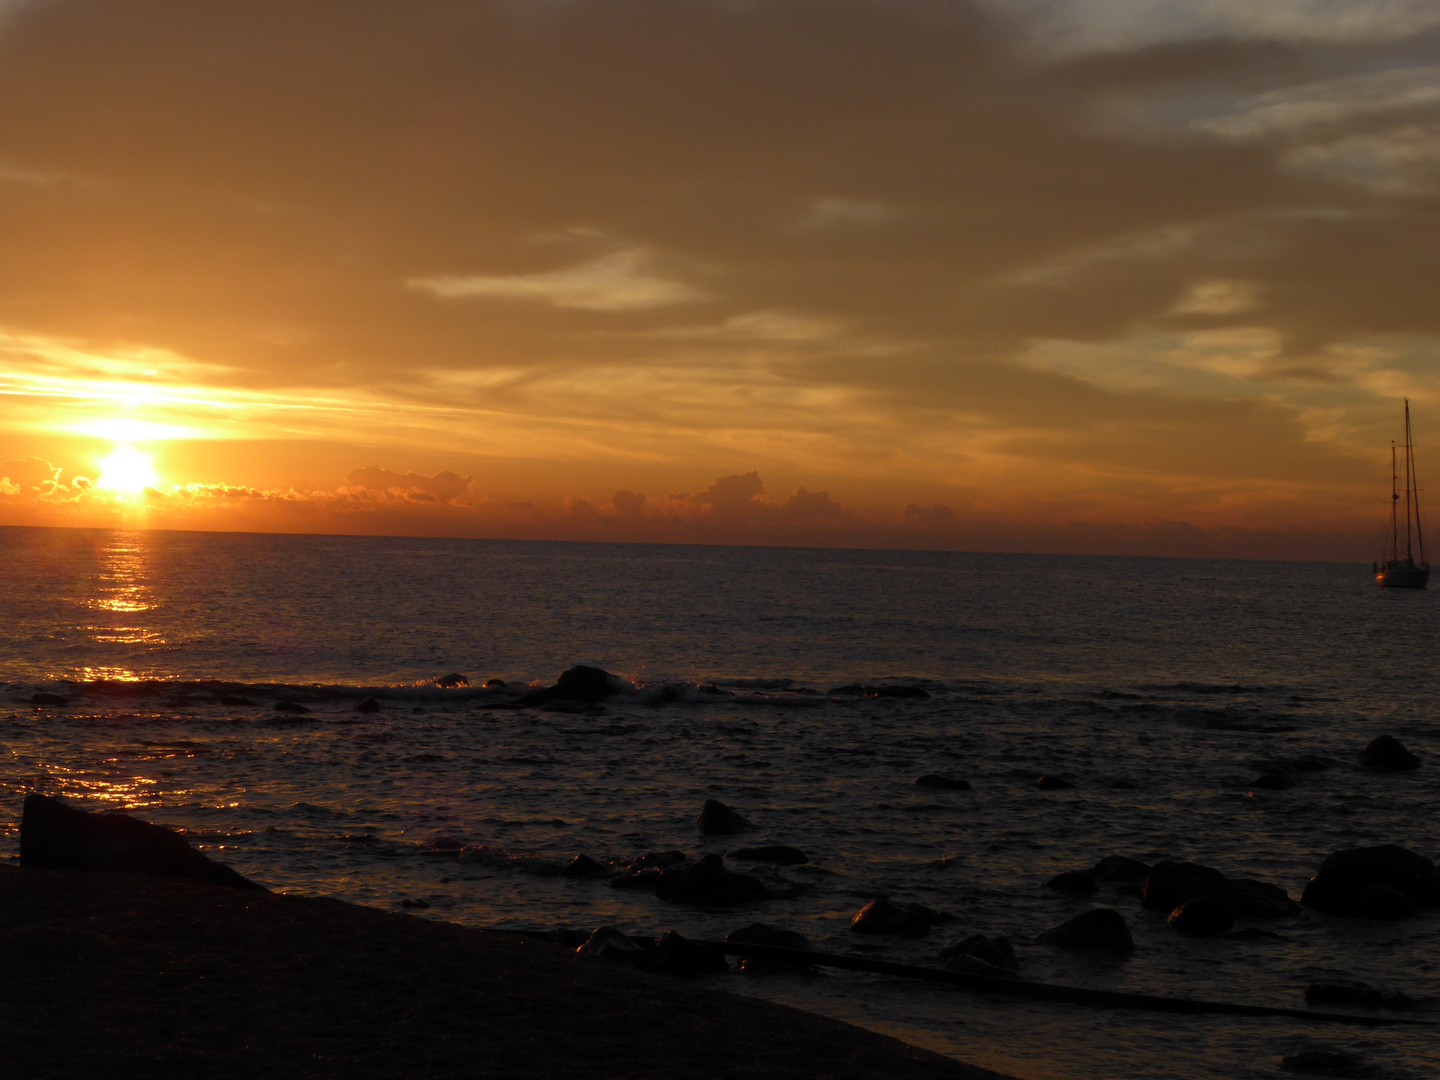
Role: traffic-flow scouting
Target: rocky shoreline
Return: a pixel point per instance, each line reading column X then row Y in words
column 123, row 974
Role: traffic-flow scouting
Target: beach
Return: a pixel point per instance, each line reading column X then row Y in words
column 131, row 975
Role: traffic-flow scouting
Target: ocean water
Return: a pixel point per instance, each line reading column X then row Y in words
column 1162, row 688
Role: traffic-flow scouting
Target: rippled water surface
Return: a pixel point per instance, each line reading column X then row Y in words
column 1161, row 688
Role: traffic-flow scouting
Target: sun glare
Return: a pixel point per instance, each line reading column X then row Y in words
column 127, row 472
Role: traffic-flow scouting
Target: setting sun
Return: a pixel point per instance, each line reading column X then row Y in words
column 127, row 471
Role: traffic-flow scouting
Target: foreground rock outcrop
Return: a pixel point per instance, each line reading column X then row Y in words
column 59, row 837
column 129, row 976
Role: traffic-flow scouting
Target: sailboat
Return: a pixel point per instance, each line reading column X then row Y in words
column 1402, row 571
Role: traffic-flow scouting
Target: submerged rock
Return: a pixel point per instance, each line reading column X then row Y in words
column 1102, row 929
column 775, row 854
column 887, row 691
column 1388, row 753
column 1272, row 782
column 1259, row 900
column 938, row 780
column 588, row 685
column 46, row 699
column 56, row 836
column 451, row 681
column 1349, row 883
column 237, row 701
column 1352, row 992
column 368, row 705
column 290, row 707
column 717, row 819
column 1053, row 783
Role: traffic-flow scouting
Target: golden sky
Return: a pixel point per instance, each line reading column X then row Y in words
column 1057, row 275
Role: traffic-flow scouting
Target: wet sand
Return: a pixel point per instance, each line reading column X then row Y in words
column 131, row 975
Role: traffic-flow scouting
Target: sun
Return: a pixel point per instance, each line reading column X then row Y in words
column 126, row 472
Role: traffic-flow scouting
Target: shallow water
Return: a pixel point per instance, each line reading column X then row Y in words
column 1161, row 688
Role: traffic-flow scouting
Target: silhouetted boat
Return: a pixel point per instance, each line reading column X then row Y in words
column 1402, row 571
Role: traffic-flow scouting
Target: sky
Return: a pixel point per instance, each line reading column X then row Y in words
column 1094, row 276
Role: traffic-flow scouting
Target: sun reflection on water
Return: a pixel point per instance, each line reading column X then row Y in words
column 122, row 590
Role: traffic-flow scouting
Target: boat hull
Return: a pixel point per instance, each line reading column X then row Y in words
column 1402, row 577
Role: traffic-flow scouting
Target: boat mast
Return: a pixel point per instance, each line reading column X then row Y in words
column 1412, row 483
column 1394, row 507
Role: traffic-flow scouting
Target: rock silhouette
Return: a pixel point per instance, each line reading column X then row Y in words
column 717, row 819
column 587, row 685
column 1360, row 882
column 1388, row 753
column 56, row 836
column 1101, row 929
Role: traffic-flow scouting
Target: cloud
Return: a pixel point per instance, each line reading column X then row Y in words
column 443, row 487
column 732, row 496
column 622, row 281
column 833, row 213
column 1116, row 25
column 936, row 517
column 1294, row 108
column 30, row 474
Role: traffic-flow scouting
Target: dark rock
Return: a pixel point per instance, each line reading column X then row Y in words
column 237, row 701
column 979, row 952
column 1120, row 868
column 662, row 859
column 1325, row 1061
column 889, row 691
column 494, row 684
column 1099, row 928
column 1387, row 752
column 1077, row 882
column 1346, row 876
column 936, row 780
column 46, row 699
column 1352, row 992
column 766, row 934
column 1053, row 783
column 1272, row 782
column 676, row 955
column 1170, row 884
column 886, row 917
column 56, row 836
column 708, row 885
column 1202, row 916
column 1122, row 784
column 717, row 819
column 588, row 685
column 290, row 707
column 610, row 944
column 582, row 866
column 368, row 705
column 415, row 903
column 647, row 880
column 775, row 854
column 1259, row 900
column 449, row 682
column 1384, row 902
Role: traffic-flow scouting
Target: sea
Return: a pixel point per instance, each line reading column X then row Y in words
column 1161, row 689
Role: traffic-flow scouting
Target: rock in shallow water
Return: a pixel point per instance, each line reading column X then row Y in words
column 717, row 819
column 886, row 917
column 980, row 952
column 1388, row 753
column 56, row 836
column 1202, row 916
column 1347, row 881
column 584, row 684
column 1102, row 929
column 1075, row 882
